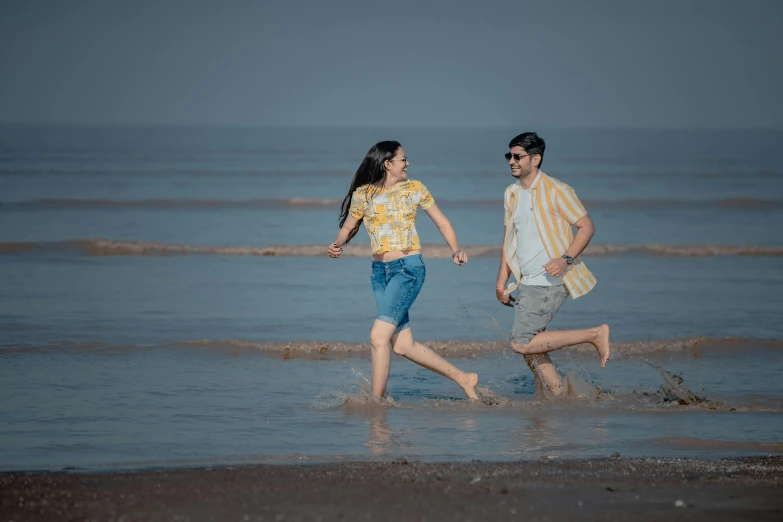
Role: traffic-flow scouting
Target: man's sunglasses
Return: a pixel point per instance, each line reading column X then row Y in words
column 516, row 157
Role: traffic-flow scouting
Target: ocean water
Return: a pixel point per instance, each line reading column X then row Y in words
column 115, row 354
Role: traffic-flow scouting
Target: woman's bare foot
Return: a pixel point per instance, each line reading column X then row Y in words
column 602, row 344
column 469, row 382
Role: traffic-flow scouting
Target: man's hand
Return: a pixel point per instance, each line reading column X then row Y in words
column 556, row 267
column 334, row 251
column 505, row 299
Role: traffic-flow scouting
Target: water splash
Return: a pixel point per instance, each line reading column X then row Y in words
column 674, row 390
column 464, row 309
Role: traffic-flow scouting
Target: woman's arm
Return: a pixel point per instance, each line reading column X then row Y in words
column 348, row 230
column 445, row 228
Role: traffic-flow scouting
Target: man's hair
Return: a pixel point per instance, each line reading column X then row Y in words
column 532, row 143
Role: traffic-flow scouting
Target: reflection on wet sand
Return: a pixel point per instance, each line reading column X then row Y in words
column 374, row 411
column 695, row 443
column 379, row 435
column 548, row 434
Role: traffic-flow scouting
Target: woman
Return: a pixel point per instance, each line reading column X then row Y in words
column 384, row 198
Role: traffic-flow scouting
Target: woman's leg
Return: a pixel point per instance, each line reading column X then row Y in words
column 403, row 344
column 380, row 335
column 381, row 332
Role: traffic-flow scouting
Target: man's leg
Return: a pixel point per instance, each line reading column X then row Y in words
column 544, row 342
column 534, row 309
column 545, row 373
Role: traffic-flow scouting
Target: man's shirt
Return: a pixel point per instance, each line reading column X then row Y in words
column 531, row 252
column 555, row 209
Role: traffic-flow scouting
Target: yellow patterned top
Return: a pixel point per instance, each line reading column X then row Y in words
column 390, row 214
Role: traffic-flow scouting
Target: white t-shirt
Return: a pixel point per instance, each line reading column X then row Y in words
column 530, row 249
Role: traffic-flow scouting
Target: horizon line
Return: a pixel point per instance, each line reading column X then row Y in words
column 433, row 127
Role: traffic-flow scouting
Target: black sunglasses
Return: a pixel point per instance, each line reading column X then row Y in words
column 516, row 157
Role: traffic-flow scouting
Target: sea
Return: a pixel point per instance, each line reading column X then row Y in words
column 166, row 299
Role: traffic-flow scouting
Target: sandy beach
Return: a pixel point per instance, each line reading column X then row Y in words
column 180, row 340
column 614, row 488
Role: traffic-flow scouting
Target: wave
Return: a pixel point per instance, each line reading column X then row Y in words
column 184, row 204
column 738, row 203
column 674, row 392
column 473, row 348
column 147, row 167
column 107, row 247
column 450, row 348
column 173, row 204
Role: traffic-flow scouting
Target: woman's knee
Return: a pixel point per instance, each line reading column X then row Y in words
column 379, row 338
column 400, row 347
column 402, row 342
column 523, row 349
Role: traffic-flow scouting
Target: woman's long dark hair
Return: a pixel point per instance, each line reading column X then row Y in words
column 371, row 171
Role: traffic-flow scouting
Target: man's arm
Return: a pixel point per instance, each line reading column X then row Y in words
column 585, row 230
column 503, row 274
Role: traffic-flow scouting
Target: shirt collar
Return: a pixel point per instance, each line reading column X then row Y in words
column 535, row 181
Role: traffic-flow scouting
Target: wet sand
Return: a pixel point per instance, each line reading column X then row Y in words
column 595, row 489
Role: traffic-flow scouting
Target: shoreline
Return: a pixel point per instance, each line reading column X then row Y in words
column 554, row 489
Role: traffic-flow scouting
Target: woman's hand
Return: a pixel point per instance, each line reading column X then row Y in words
column 334, row 251
column 347, row 231
column 459, row 257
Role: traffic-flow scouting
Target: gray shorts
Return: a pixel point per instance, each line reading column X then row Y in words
column 534, row 310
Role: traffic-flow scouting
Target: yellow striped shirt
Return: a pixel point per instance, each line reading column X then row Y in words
column 555, row 209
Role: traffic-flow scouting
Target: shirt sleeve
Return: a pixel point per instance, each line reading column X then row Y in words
column 357, row 206
column 569, row 205
column 426, row 200
column 507, row 207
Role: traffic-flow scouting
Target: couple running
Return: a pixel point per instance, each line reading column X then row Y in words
column 539, row 249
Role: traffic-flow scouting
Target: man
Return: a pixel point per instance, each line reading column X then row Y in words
column 540, row 249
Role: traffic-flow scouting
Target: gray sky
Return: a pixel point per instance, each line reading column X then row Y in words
column 581, row 63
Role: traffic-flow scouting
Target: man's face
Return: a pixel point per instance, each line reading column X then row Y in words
column 523, row 166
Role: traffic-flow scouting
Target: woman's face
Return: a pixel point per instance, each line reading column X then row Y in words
column 397, row 166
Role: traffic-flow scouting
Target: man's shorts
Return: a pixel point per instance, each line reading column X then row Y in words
column 534, row 310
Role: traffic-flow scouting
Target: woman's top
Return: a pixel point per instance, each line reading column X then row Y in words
column 390, row 214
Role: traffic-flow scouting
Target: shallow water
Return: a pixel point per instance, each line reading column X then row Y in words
column 132, row 407
column 164, row 359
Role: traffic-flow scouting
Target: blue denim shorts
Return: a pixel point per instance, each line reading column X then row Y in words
column 535, row 308
column 396, row 284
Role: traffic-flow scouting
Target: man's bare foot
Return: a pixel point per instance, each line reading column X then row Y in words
column 602, row 344
column 556, row 390
column 469, row 382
